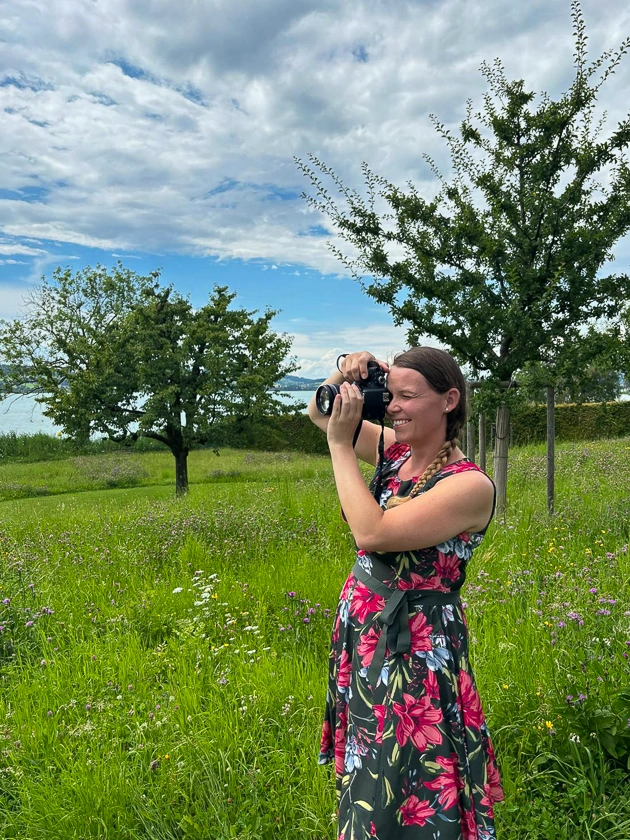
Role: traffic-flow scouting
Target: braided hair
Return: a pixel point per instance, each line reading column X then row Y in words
column 442, row 373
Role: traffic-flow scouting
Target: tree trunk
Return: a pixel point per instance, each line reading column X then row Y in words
column 551, row 445
column 482, row 441
column 470, row 427
column 501, row 458
column 181, row 472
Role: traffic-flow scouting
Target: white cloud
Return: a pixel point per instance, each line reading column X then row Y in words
column 12, row 301
column 153, row 126
column 317, row 350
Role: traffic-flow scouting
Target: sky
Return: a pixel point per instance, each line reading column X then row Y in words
column 164, row 135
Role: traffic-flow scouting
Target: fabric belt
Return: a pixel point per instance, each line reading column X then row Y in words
column 394, row 617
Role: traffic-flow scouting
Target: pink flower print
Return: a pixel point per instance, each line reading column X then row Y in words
column 367, row 646
column 340, row 743
column 470, row 702
column 448, row 783
column 488, row 801
column 415, row 811
column 350, row 580
column 447, row 566
column 469, row 826
column 380, row 713
column 424, row 583
column 344, row 674
column 430, row 684
column 420, row 633
column 364, row 602
column 416, row 720
column 494, row 780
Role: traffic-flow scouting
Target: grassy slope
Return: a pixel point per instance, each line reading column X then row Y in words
column 176, row 689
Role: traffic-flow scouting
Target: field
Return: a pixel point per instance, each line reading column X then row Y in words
column 163, row 662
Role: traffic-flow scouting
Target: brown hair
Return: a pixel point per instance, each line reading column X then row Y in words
column 442, row 373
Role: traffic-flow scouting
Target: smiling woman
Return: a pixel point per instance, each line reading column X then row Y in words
column 404, row 724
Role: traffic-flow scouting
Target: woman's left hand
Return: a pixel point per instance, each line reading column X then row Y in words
column 345, row 416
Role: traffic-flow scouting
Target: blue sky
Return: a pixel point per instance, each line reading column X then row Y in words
column 164, row 135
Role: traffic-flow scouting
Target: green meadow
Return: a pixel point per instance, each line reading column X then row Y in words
column 163, row 662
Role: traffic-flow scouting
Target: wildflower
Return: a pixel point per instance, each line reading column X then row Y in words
column 506, row 686
column 549, row 724
column 177, row 590
column 593, row 590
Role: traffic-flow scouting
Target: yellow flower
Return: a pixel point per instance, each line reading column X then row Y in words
column 505, row 685
column 214, row 596
column 548, row 724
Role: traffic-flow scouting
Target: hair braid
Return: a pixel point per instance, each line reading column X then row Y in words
column 434, row 467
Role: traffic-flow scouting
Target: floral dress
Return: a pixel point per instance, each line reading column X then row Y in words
column 404, row 724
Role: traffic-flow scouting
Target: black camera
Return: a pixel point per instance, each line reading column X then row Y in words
column 375, row 395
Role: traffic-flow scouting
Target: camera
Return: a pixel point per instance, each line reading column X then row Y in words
column 375, row 395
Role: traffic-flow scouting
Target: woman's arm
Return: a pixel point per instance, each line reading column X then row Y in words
column 463, row 503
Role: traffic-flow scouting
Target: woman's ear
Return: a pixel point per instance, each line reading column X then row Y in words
column 452, row 399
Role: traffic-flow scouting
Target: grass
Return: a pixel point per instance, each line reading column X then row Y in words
column 163, row 662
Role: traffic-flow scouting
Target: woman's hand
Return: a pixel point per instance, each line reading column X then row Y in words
column 345, row 416
column 354, row 366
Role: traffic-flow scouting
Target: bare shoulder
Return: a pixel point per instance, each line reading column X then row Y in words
column 473, row 493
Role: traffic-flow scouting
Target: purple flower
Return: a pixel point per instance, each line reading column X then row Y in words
column 603, row 612
column 306, row 620
column 561, row 624
column 6, row 602
column 29, row 623
column 581, row 697
column 291, row 594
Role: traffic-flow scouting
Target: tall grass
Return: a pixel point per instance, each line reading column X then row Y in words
column 163, row 662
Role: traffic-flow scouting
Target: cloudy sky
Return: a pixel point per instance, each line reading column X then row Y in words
column 164, row 133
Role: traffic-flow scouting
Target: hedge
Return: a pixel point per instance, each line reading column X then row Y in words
column 589, row 421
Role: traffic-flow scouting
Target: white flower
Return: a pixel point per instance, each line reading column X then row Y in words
column 177, row 590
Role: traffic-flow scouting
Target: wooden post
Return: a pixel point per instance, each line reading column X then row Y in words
column 470, row 426
column 501, row 459
column 551, row 446
column 482, row 441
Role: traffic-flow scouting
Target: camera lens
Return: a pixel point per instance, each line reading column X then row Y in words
column 324, row 398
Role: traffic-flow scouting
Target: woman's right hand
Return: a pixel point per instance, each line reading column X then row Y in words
column 354, row 366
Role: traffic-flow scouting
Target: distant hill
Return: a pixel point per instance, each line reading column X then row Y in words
column 296, row 383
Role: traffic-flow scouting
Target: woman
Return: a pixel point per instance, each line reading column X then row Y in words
column 404, row 723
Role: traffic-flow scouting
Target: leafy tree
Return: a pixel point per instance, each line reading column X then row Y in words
column 504, row 265
column 123, row 356
column 586, row 371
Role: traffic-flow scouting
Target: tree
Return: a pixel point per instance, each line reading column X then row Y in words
column 123, row 356
column 587, row 371
column 504, row 265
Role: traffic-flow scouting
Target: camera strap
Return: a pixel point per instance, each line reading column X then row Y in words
column 378, row 487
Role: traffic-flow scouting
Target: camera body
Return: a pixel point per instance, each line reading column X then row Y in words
column 376, row 397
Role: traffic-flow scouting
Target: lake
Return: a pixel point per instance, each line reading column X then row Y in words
column 23, row 415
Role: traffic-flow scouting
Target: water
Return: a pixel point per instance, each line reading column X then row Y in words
column 23, row 416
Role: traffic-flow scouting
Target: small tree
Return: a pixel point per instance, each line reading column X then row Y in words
column 504, row 265
column 122, row 356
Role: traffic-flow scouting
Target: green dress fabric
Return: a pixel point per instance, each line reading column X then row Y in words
column 404, row 725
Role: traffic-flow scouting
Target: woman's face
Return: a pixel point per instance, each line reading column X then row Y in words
column 416, row 410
